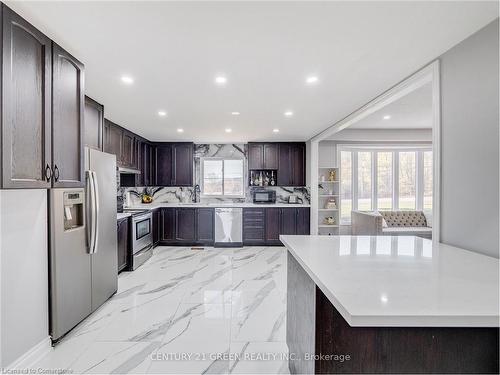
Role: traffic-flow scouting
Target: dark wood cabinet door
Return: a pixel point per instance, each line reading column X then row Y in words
column 156, row 225
column 205, row 221
column 288, row 221
column 298, row 162
column 94, row 122
column 255, row 156
column 285, row 166
column 303, row 221
column 168, row 224
column 270, row 156
column 140, row 150
column 272, row 226
column 128, row 150
column 123, row 243
column 68, row 101
column 182, row 164
column 113, row 140
column 164, row 164
column 26, row 104
column 148, row 166
column 185, row 224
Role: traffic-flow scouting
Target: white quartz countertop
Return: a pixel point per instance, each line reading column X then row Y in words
column 218, row 204
column 401, row 281
column 121, row 215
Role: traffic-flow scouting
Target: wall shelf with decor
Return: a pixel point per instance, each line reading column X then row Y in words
column 328, row 190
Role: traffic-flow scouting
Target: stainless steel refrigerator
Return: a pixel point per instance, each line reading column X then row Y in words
column 83, row 245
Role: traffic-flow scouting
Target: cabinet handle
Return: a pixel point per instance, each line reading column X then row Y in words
column 48, row 173
column 56, row 173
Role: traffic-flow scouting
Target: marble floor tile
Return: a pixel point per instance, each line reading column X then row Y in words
column 187, row 311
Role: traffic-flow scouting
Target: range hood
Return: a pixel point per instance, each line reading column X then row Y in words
column 128, row 170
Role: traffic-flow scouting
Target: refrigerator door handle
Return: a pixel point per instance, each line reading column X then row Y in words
column 89, row 211
column 91, row 203
column 96, row 217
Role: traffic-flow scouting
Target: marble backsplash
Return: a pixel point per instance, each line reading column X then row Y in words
column 186, row 194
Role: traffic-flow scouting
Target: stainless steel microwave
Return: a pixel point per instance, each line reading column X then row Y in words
column 264, row 196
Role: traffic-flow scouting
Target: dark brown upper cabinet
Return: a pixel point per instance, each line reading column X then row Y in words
column 94, row 123
column 183, row 164
column 146, row 165
column 262, row 156
column 164, row 164
column 128, row 155
column 292, row 162
column 68, row 100
column 174, row 164
column 26, row 104
column 113, row 139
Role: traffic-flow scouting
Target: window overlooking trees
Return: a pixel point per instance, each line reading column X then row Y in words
column 385, row 178
column 222, row 177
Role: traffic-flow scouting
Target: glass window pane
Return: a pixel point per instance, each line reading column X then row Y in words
column 384, row 180
column 345, row 186
column 212, row 177
column 427, row 180
column 233, row 177
column 407, row 186
column 364, row 181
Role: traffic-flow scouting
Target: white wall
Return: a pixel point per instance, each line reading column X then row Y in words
column 24, row 272
column 384, row 135
column 470, row 143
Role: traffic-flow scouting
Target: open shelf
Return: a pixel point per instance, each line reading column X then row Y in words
column 328, row 195
column 328, row 209
column 327, row 226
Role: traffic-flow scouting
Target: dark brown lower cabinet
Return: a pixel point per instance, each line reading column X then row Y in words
column 205, row 224
column 123, row 243
column 254, row 226
column 303, row 221
column 156, row 226
column 273, row 226
column 263, row 226
column 167, row 225
column 187, row 226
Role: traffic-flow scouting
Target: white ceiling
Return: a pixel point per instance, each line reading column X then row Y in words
column 412, row 111
column 266, row 50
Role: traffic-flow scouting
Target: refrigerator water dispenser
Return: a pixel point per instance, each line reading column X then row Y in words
column 73, row 209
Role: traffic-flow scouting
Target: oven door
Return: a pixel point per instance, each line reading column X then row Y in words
column 142, row 227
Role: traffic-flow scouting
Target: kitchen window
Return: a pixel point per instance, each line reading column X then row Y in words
column 222, row 177
column 376, row 178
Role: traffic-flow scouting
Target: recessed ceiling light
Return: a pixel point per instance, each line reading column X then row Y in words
column 235, row 113
column 229, row 130
column 162, row 113
column 127, row 80
column 387, row 117
column 312, row 79
column 180, row 130
column 220, row 80
column 276, row 130
column 288, row 113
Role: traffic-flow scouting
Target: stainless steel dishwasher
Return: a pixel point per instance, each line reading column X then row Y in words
column 228, row 227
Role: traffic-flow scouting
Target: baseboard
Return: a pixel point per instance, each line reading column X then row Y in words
column 32, row 356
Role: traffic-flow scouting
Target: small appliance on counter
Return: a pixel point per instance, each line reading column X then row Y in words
column 293, row 199
column 264, row 196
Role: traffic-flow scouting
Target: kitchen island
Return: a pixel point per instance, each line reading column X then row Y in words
column 361, row 304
